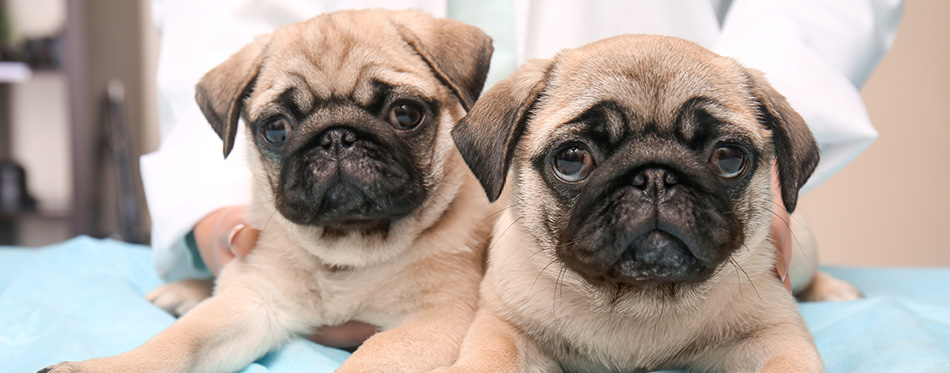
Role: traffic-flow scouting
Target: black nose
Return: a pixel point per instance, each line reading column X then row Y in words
column 338, row 139
column 655, row 182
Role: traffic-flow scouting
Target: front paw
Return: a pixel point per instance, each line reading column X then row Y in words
column 451, row 369
column 360, row 368
column 177, row 298
column 100, row 365
column 65, row 367
column 825, row 288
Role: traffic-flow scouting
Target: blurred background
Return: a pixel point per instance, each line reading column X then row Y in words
column 78, row 107
column 68, row 149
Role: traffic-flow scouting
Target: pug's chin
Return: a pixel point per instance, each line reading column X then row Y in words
column 650, row 299
column 346, row 227
column 355, row 243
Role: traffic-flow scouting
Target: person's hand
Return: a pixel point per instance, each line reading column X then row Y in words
column 222, row 235
column 781, row 232
column 348, row 335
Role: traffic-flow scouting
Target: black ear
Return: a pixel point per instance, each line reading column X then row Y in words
column 795, row 149
column 459, row 54
column 221, row 91
column 488, row 135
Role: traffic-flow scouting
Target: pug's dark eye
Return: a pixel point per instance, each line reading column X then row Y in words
column 572, row 164
column 275, row 130
column 729, row 161
column 406, row 115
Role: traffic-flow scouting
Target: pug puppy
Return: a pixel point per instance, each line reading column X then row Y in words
column 365, row 208
column 640, row 203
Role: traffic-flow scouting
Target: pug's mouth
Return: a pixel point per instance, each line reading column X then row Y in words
column 342, row 227
column 344, row 206
column 657, row 257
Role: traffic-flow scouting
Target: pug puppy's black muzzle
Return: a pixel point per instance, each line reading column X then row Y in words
column 346, row 177
column 650, row 220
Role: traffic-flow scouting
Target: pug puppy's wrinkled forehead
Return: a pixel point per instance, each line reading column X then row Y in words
column 346, row 55
column 644, row 88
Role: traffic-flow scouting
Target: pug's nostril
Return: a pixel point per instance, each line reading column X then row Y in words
column 349, row 137
column 342, row 137
column 670, row 179
column 640, row 181
column 654, row 181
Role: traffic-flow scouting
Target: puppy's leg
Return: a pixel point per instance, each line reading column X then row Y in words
column 428, row 340
column 491, row 345
column 782, row 347
column 809, row 284
column 494, row 345
column 789, row 349
column 825, row 288
column 179, row 297
column 225, row 333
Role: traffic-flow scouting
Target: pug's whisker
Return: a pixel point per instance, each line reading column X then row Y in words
column 777, row 215
column 268, row 220
column 791, row 215
column 558, row 284
column 748, row 277
column 502, row 235
column 532, row 256
column 564, row 276
column 790, row 231
column 574, row 241
column 738, row 278
column 797, row 243
column 539, row 275
column 496, row 213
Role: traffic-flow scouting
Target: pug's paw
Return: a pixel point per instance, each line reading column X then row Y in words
column 100, row 365
column 825, row 288
column 65, row 367
column 177, row 298
column 450, row 370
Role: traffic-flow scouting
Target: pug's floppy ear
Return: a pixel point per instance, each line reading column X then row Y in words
column 458, row 54
column 796, row 151
column 488, row 135
column 220, row 92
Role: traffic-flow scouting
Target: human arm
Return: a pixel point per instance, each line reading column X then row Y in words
column 818, row 54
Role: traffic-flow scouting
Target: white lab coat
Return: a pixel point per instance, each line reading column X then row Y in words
column 818, row 53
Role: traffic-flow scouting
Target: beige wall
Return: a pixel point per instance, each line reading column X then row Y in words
column 889, row 207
